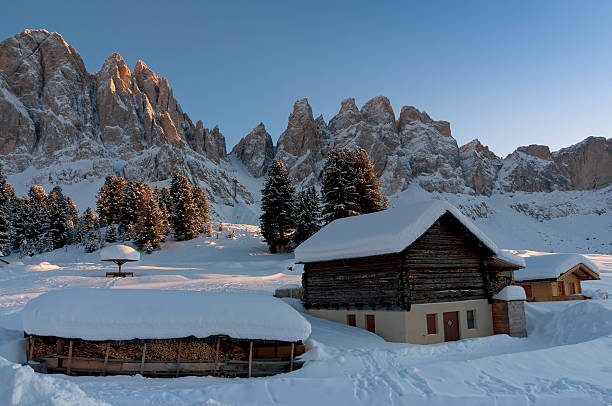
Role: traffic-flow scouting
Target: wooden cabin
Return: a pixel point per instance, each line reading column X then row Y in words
column 420, row 274
column 555, row 277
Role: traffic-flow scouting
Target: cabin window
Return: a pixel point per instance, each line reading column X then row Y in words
column 471, row 322
column 370, row 323
column 431, row 324
column 351, row 320
column 528, row 291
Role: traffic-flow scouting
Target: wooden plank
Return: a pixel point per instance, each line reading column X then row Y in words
column 69, row 358
column 250, row 358
column 217, row 354
column 106, row 357
column 178, row 359
column 142, row 361
column 292, row 354
column 30, row 347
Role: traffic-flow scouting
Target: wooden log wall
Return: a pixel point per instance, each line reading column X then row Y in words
column 371, row 282
column 447, row 263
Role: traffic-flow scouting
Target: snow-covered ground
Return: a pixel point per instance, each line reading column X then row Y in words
column 566, row 360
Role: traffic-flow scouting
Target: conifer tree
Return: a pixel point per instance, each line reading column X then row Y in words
column 60, row 221
column 36, row 222
column 75, row 219
column 111, row 234
column 199, row 198
column 87, row 226
column 307, row 215
column 149, row 230
column 349, row 185
column 7, row 200
column 277, row 204
column 110, row 196
column 19, row 214
column 184, row 211
column 131, row 203
column 92, row 241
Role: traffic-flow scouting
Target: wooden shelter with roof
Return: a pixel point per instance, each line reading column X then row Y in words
column 420, row 274
column 556, row 277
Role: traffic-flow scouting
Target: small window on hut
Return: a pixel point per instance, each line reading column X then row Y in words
column 431, row 324
column 351, row 320
column 471, row 323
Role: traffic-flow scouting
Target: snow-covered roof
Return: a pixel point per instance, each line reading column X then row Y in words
column 551, row 266
column 124, row 314
column 510, row 258
column 512, row 292
column 383, row 232
column 119, row 252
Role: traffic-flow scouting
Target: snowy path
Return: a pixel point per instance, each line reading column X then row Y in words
column 566, row 360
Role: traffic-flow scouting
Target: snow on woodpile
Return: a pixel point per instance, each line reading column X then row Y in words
column 550, row 266
column 120, row 252
column 511, row 292
column 383, row 232
column 510, row 257
column 124, row 314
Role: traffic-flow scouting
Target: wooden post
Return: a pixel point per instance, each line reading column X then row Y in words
column 69, row 358
column 217, row 355
column 142, row 361
column 59, row 346
column 292, row 354
column 250, row 357
column 29, row 347
column 106, row 357
column 178, row 359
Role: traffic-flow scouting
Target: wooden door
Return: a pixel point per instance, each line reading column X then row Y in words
column 561, row 288
column 451, row 326
column 370, row 323
column 351, row 320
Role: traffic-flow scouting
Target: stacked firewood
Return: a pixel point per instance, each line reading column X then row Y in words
column 41, row 349
column 97, row 349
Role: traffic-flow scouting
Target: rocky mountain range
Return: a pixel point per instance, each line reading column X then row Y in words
column 64, row 125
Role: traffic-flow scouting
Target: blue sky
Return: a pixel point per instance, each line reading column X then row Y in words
column 507, row 73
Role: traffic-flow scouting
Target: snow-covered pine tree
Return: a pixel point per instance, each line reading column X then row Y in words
column 111, row 234
column 92, row 241
column 26, row 248
column 75, row 219
column 277, row 204
column 18, row 216
column 131, row 203
column 199, row 198
column 307, row 215
column 184, row 213
column 36, row 221
column 7, row 200
column 366, row 184
column 87, row 225
column 108, row 204
column 149, row 231
column 339, row 197
column 60, row 221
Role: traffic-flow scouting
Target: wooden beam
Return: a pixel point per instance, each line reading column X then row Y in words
column 217, row 355
column 250, row 358
column 106, row 357
column 292, row 354
column 69, row 358
column 178, row 359
column 29, row 347
column 142, row 361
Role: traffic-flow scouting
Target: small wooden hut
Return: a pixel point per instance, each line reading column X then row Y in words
column 556, row 277
column 162, row 333
column 421, row 274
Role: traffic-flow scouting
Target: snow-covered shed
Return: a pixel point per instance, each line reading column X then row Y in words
column 550, row 277
column 422, row 273
column 163, row 332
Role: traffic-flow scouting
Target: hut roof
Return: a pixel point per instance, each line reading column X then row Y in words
column 124, row 314
column 383, row 232
column 552, row 266
column 121, row 252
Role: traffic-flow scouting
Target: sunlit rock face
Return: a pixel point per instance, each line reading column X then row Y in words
column 71, row 125
column 255, row 151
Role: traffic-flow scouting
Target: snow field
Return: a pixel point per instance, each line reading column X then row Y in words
column 565, row 360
